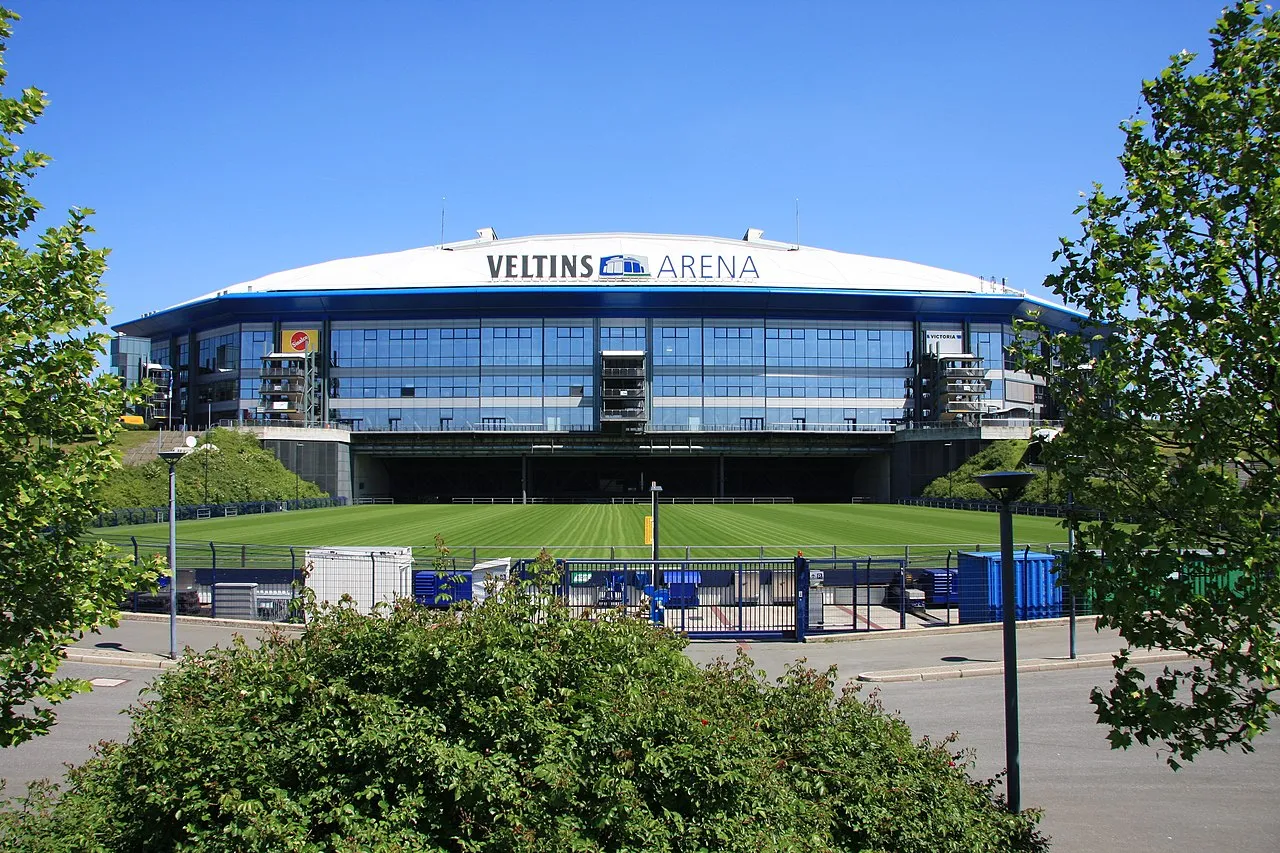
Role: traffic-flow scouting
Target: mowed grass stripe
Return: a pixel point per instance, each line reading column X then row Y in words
column 606, row 525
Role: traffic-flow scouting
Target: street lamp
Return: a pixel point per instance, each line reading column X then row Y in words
column 206, row 449
column 654, row 491
column 173, row 457
column 297, row 477
column 1006, row 487
column 950, row 468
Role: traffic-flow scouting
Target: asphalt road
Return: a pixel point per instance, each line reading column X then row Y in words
column 1094, row 798
column 83, row 721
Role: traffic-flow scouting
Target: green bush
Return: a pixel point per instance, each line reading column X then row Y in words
column 240, row 470
column 509, row 726
column 998, row 456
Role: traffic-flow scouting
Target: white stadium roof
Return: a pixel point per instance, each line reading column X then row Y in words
column 633, row 259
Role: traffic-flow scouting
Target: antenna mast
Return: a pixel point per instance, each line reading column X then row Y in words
column 442, row 201
column 797, row 223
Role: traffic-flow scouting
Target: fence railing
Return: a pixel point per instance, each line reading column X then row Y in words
column 703, row 591
column 707, row 501
column 1018, row 508
column 195, row 512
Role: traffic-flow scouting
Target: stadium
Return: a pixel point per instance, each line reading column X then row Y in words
column 588, row 366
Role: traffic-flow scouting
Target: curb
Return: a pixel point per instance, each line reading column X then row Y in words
column 891, row 633
column 248, row 624
column 980, row 670
column 136, row 661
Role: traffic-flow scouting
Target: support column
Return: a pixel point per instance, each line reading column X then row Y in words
column 524, row 479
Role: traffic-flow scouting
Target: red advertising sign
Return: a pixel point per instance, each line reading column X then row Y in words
column 299, row 340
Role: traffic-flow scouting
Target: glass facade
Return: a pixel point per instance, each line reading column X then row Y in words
column 545, row 374
column 255, row 342
column 542, row 375
column 128, row 354
column 990, row 342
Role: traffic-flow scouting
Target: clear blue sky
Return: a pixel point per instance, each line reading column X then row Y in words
column 223, row 141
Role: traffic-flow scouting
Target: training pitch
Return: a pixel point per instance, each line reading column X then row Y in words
column 576, row 525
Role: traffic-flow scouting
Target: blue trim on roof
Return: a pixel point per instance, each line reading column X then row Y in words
column 590, row 300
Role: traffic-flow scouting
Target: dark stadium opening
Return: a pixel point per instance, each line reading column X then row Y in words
column 568, row 478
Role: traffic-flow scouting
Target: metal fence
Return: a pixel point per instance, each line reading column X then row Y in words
column 769, row 592
column 194, row 512
column 1018, row 507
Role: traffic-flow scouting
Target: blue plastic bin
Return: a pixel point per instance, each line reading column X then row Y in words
column 682, row 587
column 1036, row 593
column 441, row 589
column 941, row 586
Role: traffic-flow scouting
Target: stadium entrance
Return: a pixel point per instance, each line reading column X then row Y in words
column 546, row 475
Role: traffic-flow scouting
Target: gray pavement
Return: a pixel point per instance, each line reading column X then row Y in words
column 1094, row 798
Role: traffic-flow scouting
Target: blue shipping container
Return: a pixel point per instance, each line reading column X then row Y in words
column 442, row 589
column 1036, row 592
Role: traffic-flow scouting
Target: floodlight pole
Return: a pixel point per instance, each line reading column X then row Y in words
column 1006, row 486
column 654, row 491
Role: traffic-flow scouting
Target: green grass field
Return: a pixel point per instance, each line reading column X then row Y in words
column 566, row 528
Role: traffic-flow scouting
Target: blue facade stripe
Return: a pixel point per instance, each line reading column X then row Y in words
column 577, row 301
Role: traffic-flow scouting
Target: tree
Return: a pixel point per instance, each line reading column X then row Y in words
column 1170, row 399
column 54, row 434
column 514, row 725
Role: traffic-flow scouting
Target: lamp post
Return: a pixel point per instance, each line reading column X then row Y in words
column 1071, row 552
column 297, row 477
column 173, row 457
column 206, row 449
column 654, row 491
column 950, row 470
column 1006, row 486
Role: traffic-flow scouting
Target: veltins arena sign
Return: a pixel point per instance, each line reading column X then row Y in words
column 622, row 267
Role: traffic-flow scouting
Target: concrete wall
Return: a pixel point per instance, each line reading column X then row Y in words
column 322, row 456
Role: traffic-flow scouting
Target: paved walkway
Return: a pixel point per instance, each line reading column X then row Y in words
column 923, row 654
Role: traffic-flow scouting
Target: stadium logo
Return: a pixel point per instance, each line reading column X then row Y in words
column 624, row 266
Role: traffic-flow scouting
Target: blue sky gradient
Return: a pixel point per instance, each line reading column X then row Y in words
column 220, row 142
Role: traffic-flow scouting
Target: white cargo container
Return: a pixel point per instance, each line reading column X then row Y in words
column 368, row 575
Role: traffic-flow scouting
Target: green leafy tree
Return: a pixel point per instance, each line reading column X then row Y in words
column 515, row 725
column 1172, row 427
column 55, row 433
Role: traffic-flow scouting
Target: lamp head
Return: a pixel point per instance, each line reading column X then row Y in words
column 191, row 442
column 1005, row 485
column 172, row 456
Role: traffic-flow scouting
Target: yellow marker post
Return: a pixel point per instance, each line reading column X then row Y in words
column 648, row 530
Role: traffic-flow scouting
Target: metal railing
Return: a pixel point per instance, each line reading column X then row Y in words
column 775, row 427
column 1018, row 508
column 189, row 512
column 746, row 596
